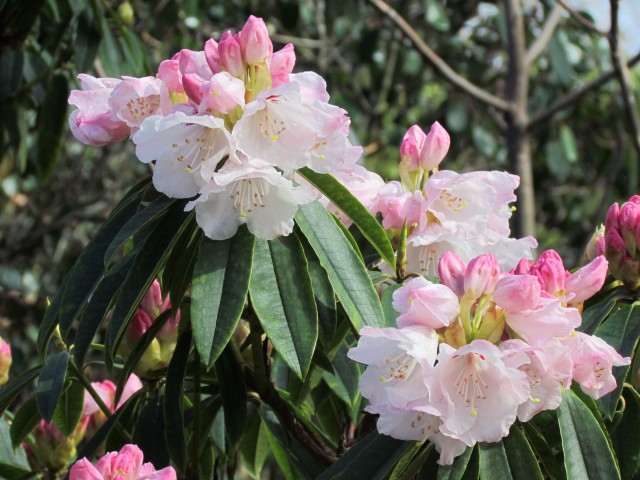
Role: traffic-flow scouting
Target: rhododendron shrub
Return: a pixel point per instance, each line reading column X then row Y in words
column 262, row 302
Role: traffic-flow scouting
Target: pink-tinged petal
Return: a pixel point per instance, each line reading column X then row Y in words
column 84, row 470
column 612, row 221
column 451, row 272
column 436, row 146
column 283, row 60
column 313, row 88
column 421, row 302
column 551, row 273
column 223, row 93
column 169, row 73
column 254, row 40
column 106, row 390
column 152, row 302
column 132, row 386
column 140, row 324
column 5, row 361
column 517, row 292
column 547, row 320
column 587, row 281
column 167, row 473
column 211, row 55
column 191, row 84
column 135, row 99
column 412, row 144
column 482, row 275
column 523, row 267
column 230, row 55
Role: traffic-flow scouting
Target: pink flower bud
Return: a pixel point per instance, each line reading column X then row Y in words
column 411, row 146
column 211, row 55
column 254, row 41
column 595, row 247
column 231, row 55
column 629, row 221
column 517, row 292
column 5, row 361
column 612, row 219
column 223, row 93
column 482, row 275
column 283, row 60
column 152, row 302
column 584, row 283
column 192, row 83
column 523, row 267
column 451, row 272
column 550, row 272
column 436, row 146
column 169, row 73
column 141, row 322
column 421, row 302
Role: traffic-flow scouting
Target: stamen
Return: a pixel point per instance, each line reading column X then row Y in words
column 247, row 194
column 470, row 385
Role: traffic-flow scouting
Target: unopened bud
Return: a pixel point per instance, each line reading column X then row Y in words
column 254, row 40
column 5, row 361
column 482, row 275
column 230, row 55
column 436, row 146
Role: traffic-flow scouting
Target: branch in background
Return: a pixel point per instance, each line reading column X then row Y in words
column 546, row 33
column 440, row 65
column 575, row 96
column 581, row 19
column 622, row 73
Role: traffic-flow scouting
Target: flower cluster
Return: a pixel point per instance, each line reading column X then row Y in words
column 229, row 125
column 482, row 349
column 467, row 214
column 160, row 350
column 622, row 242
column 123, row 465
column 5, row 361
column 52, row 450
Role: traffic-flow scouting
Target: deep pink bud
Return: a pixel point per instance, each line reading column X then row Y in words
column 523, row 267
column 191, row 83
column 411, row 146
column 283, row 60
column 550, row 272
column 436, row 146
column 152, row 302
column 230, row 55
column 5, row 361
column 169, row 73
column 254, row 40
column 482, row 274
column 141, row 322
column 611, row 221
column 516, row 293
column 615, row 248
column 211, row 55
column 629, row 220
column 584, row 283
column 451, row 272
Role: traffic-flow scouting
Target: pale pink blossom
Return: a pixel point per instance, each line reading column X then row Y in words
column 123, row 465
column 281, row 65
column 397, row 360
column 169, row 73
column 588, row 280
column 411, row 146
column 211, row 55
column 92, row 122
column 5, row 361
column 593, row 360
column 254, row 40
column 551, row 273
column 436, row 146
column 482, row 275
column 223, row 93
column 396, row 206
column 421, row 302
column 362, row 184
column 549, row 372
column 135, row 99
column 517, row 292
column 476, row 394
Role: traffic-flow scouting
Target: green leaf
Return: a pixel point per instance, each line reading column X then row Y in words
column 179, row 279
column 220, row 285
column 142, row 219
column 148, row 433
column 13, row 463
column 593, row 316
column 25, row 420
column 10, row 391
column 50, row 384
column 512, row 457
column 344, row 383
column 457, row 469
column 621, row 330
column 373, row 457
column 347, row 274
column 282, row 298
column 52, row 123
column 586, row 450
column 390, row 313
column 552, row 466
column 174, row 404
column 89, row 267
column 254, row 444
column 234, row 395
column 69, row 409
column 87, row 40
column 626, row 436
column 351, row 206
column 144, row 270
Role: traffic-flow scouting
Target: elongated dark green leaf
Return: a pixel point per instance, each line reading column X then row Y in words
column 344, row 383
column 457, row 469
column 621, row 330
column 510, row 458
column 552, row 465
column 234, row 395
column 98, row 306
column 174, row 404
column 347, row 274
column 143, row 218
column 13, row 463
column 69, row 409
column 390, row 313
column 345, row 201
column 87, row 40
column 349, row 237
column 148, row 434
column 254, row 444
column 282, row 297
column 594, row 315
column 50, row 384
column 17, row 384
column 49, row 322
column 178, row 271
column 52, row 122
column 89, row 266
column 220, row 286
column 25, row 420
column 626, row 436
column 144, row 270
column 374, row 456
column 586, row 450
column 408, row 468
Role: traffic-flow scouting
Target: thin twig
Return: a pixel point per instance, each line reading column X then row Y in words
column 575, row 96
column 585, row 22
column 622, row 73
column 440, row 65
column 546, row 33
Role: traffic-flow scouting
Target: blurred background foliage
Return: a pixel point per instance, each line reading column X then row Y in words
column 54, row 191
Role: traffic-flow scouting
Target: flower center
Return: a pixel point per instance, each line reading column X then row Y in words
column 470, row 385
column 142, row 107
column 198, row 150
column 247, row 194
column 399, row 367
column 271, row 127
column 453, row 202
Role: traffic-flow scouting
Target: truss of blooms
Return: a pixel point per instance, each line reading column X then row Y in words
column 481, row 349
column 227, row 127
